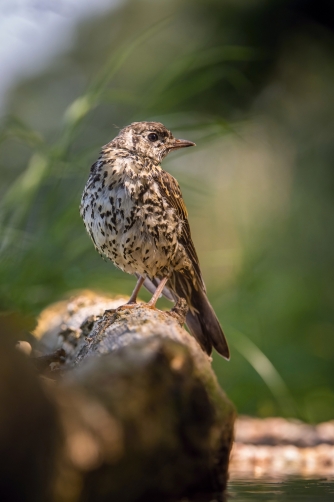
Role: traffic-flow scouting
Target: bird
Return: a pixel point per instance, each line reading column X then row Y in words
column 135, row 214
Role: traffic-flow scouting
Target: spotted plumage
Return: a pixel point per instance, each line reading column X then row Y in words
column 136, row 217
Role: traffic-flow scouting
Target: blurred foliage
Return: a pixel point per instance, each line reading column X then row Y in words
column 251, row 83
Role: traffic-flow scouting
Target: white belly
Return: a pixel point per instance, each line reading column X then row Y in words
column 136, row 237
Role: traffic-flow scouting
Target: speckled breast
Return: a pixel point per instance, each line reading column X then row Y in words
column 129, row 222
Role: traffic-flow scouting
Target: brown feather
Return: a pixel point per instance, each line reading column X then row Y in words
column 170, row 190
column 201, row 318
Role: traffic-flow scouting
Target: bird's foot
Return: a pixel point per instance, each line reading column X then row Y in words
column 179, row 311
column 129, row 305
column 126, row 306
column 150, row 306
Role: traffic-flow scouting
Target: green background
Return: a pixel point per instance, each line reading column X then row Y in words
column 251, row 82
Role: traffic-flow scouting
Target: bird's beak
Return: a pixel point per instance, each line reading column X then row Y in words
column 180, row 143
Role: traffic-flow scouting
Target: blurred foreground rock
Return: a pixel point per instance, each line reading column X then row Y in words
column 124, row 406
column 30, row 432
column 139, row 415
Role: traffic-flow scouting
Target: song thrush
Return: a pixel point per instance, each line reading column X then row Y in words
column 136, row 217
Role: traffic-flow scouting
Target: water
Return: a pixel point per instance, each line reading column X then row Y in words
column 285, row 490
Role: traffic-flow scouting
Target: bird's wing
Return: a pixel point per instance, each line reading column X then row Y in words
column 170, row 191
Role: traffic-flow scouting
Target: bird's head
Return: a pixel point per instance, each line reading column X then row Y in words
column 149, row 139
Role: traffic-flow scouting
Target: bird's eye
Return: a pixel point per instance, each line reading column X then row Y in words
column 153, row 137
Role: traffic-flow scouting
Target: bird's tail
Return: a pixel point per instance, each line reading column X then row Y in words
column 201, row 318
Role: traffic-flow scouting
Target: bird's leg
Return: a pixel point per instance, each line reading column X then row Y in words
column 157, row 293
column 133, row 298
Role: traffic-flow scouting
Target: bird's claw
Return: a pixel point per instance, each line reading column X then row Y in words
column 129, row 305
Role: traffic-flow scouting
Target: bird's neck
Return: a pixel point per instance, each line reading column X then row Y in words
column 119, row 147
column 114, row 152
